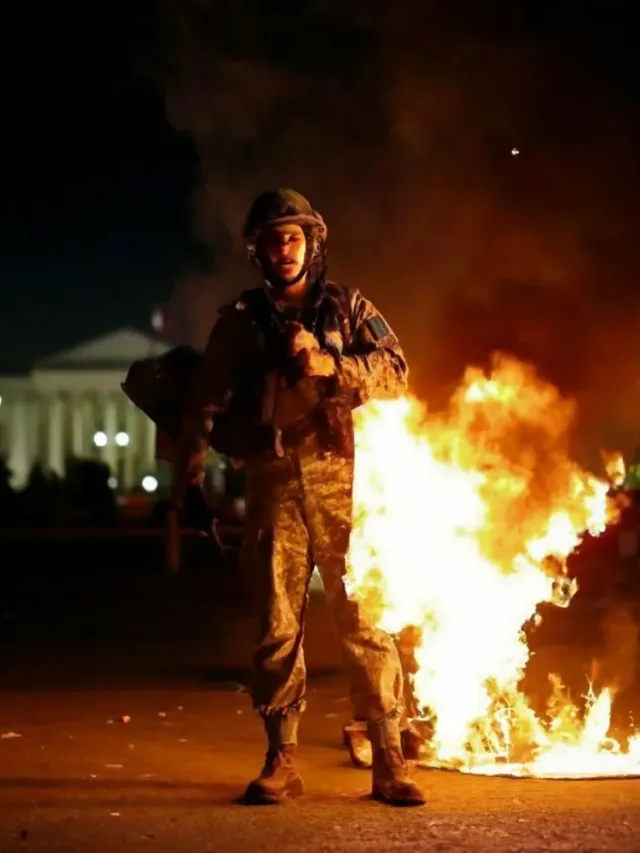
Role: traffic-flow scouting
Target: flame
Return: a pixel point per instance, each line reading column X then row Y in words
column 615, row 467
column 463, row 523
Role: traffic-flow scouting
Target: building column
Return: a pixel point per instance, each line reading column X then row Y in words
column 55, row 437
column 130, row 451
column 111, row 428
column 20, row 454
column 34, row 422
column 77, row 428
column 149, row 447
column 87, row 407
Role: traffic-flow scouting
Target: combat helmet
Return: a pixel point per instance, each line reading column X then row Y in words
column 282, row 207
column 279, row 207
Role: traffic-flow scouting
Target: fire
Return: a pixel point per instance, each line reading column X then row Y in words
column 463, row 523
column 615, row 467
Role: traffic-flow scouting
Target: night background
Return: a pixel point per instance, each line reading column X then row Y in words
column 136, row 137
column 477, row 165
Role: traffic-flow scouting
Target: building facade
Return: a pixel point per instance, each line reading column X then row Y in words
column 70, row 405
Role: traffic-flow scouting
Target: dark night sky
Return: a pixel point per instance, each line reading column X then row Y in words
column 399, row 123
column 95, row 196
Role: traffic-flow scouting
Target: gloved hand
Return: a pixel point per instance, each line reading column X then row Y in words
column 300, row 339
column 305, row 347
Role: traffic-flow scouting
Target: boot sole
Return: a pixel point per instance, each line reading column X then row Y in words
column 257, row 797
column 406, row 802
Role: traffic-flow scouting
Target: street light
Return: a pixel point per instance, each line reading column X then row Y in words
column 100, row 438
column 149, row 483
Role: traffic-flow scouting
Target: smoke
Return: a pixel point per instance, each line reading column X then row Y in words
column 478, row 185
column 618, row 659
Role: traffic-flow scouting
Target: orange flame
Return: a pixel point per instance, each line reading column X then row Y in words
column 615, row 467
column 463, row 524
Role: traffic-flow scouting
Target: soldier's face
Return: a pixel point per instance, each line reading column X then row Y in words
column 285, row 247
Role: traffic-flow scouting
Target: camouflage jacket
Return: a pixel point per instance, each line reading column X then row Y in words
column 236, row 363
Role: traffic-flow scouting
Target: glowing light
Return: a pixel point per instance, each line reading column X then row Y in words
column 157, row 319
column 149, row 483
column 515, row 152
column 100, row 438
column 112, row 482
column 122, row 439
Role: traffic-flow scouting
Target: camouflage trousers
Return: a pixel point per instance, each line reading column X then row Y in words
column 298, row 514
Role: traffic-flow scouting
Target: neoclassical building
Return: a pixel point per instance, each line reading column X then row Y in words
column 71, row 405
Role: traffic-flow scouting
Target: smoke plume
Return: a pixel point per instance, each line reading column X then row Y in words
column 616, row 666
column 478, row 181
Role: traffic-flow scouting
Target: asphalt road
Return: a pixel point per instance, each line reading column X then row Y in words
column 89, row 638
column 80, row 779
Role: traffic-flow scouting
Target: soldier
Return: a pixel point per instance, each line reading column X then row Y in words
column 284, row 366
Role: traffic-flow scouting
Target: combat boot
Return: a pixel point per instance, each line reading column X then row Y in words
column 391, row 780
column 356, row 739
column 279, row 778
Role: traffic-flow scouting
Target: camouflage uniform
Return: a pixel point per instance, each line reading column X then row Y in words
column 298, row 511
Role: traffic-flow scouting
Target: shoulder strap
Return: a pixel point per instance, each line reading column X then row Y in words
column 340, row 297
column 261, row 313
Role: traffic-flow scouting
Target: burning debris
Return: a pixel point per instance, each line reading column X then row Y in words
column 614, row 467
column 463, row 524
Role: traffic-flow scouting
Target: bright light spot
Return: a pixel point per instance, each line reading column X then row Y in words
column 515, row 151
column 122, row 439
column 0, row 401
column 112, row 482
column 149, row 483
column 100, row 438
column 157, row 319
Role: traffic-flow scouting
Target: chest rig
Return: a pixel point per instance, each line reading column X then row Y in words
column 326, row 315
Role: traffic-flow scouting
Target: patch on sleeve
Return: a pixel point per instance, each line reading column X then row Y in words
column 378, row 328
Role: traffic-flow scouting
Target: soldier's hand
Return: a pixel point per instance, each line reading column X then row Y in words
column 317, row 363
column 300, row 339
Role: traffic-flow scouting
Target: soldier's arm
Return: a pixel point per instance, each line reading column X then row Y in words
column 210, row 394
column 375, row 366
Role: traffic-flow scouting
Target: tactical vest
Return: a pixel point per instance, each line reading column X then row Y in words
column 327, row 317
column 247, row 427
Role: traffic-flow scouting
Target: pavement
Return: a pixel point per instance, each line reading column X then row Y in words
column 162, row 769
column 123, row 690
